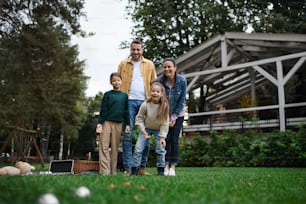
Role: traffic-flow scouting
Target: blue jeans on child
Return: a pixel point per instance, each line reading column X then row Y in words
column 127, row 149
column 141, row 144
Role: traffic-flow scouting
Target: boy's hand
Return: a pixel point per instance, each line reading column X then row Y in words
column 99, row 129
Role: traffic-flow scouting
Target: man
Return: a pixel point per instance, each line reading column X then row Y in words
column 138, row 73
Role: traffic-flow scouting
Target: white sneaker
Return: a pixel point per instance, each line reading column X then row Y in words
column 171, row 172
column 166, row 172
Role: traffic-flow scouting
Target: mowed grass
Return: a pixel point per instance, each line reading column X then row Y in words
column 191, row 185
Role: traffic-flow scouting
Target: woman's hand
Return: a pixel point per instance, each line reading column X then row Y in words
column 172, row 123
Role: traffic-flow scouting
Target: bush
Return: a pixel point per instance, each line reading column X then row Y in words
column 250, row 149
column 192, row 151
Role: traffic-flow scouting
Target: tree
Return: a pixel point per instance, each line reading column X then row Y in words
column 42, row 80
column 171, row 28
column 275, row 16
column 16, row 13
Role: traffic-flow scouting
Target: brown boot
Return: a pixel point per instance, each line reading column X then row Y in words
column 143, row 172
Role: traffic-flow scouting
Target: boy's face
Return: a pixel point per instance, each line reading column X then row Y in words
column 116, row 82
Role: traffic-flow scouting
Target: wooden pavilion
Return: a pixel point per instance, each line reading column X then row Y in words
column 231, row 65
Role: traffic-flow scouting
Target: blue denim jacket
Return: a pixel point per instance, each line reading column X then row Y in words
column 177, row 94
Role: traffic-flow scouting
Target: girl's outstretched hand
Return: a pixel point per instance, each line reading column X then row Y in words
column 145, row 134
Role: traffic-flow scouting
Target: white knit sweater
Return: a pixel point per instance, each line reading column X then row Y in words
column 146, row 118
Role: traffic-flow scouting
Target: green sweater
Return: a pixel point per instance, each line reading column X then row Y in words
column 114, row 107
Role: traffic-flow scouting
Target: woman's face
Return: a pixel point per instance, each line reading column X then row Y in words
column 169, row 69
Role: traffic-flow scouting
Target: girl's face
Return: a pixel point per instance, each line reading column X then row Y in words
column 156, row 93
column 169, row 69
column 116, row 82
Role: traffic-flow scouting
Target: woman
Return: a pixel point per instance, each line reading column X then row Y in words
column 175, row 86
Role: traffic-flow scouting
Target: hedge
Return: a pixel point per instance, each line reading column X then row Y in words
column 252, row 148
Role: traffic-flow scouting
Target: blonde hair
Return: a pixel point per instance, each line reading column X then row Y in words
column 163, row 111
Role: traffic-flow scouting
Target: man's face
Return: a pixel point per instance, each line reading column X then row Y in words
column 136, row 51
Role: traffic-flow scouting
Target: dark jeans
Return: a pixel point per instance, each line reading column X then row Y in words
column 172, row 142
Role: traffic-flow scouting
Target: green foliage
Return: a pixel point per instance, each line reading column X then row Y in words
column 252, row 148
column 86, row 142
column 42, row 80
column 285, row 17
column 15, row 14
column 179, row 25
column 171, row 28
column 194, row 152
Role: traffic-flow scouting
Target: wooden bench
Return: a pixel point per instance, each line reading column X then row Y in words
column 85, row 165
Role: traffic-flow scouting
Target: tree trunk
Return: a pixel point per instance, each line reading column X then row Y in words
column 44, row 140
column 60, row 154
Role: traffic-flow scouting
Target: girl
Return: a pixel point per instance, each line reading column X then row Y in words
column 152, row 119
column 114, row 112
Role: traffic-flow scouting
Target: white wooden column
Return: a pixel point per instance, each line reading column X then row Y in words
column 253, row 90
column 224, row 60
column 281, row 95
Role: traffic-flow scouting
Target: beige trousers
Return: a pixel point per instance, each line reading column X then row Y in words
column 108, row 147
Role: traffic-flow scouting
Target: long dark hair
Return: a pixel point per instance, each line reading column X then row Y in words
column 171, row 60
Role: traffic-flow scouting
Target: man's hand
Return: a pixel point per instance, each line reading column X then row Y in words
column 127, row 129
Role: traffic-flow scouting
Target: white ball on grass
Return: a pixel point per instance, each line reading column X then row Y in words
column 48, row 198
column 82, row 192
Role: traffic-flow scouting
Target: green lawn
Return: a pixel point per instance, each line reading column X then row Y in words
column 191, row 185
